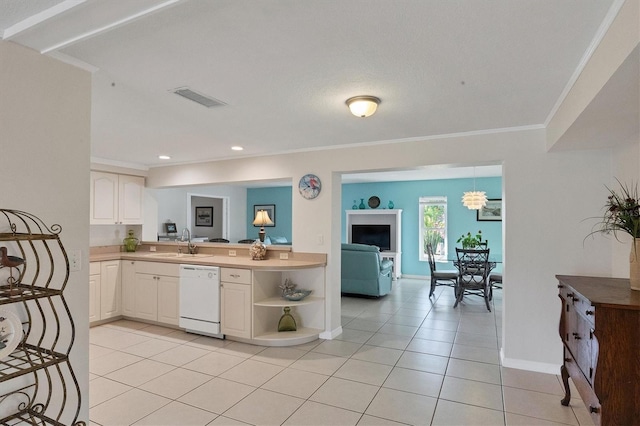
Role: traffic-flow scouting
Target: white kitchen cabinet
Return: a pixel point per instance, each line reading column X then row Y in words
column 128, row 288
column 235, row 302
column 152, row 291
column 105, row 294
column 94, row 291
column 110, row 289
column 116, row 199
column 168, row 300
column 146, row 297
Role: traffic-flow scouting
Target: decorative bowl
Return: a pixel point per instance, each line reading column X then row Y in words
column 297, row 295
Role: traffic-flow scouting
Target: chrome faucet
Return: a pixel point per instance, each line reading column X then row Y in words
column 190, row 247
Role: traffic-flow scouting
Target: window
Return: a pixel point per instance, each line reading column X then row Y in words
column 433, row 226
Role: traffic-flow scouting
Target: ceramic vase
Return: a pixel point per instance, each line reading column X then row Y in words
column 634, row 265
column 361, row 206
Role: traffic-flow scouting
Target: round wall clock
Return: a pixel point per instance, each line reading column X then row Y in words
column 309, row 186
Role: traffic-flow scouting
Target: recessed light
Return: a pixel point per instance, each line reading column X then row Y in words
column 237, row 148
column 164, row 157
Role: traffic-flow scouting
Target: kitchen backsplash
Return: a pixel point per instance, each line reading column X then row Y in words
column 107, row 235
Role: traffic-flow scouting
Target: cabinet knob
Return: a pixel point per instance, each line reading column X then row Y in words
column 560, row 286
column 593, row 409
column 589, row 312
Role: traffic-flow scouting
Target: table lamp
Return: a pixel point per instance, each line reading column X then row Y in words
column 258, row 250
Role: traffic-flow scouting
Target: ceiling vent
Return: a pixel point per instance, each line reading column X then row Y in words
column 203, row 100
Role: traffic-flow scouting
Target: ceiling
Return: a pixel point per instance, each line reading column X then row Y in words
column 284, row 68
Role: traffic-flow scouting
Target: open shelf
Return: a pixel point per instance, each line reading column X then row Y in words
column 280, row 302
column 288, row 338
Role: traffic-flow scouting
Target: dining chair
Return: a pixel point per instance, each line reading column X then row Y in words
column 495, row 280
column 442, row 277
column 473, row 274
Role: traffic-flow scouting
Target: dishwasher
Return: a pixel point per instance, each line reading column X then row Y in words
column 200, row 300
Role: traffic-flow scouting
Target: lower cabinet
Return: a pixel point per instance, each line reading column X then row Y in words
column 94, row 291
column 105, row 287
column 168, row 300
column 252, row 304
column 235, row 302
column 151, row 292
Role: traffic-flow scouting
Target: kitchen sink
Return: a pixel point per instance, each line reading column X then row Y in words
column 178, row 255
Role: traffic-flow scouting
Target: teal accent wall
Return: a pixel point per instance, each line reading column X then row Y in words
column 406, row 195
column 281, row 196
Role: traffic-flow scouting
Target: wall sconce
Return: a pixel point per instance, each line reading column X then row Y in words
column 363, row 106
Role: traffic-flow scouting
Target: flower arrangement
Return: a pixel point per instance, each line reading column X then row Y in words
column 470, row 241
column 622, row 212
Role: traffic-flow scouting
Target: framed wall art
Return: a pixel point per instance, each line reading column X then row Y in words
column 269, row 208
column 204, row 216
column 492, row 211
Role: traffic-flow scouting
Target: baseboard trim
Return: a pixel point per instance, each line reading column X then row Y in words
column 332, row 334
column 521, row 364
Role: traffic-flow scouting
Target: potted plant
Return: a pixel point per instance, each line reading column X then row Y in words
column 470, row 241
column 622, row 214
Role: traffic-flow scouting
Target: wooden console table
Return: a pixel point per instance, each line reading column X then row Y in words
column 600, row 330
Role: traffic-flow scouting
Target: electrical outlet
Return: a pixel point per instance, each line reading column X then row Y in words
column 152, row 248
column 232, row 253
column 284, row 256
column 75, row 260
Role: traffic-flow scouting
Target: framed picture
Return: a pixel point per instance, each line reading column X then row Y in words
column 492, row 211
column 269, row 208
column 170, row 228
column 204, row 216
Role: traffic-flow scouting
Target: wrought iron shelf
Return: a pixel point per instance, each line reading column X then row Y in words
column 38, row 382
column 29, row 292
column 27, row 359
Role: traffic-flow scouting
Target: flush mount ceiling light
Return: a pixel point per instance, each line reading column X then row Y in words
column 474, row 200
column 237, row 148
column 363, row 106
column 164, row 157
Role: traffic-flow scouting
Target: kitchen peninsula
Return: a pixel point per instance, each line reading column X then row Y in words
column 144, row 286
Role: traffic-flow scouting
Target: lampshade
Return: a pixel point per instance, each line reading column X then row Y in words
column 262, row 218
column 363, row 106
column 474, row 200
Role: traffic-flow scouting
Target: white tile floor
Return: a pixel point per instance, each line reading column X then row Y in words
column 402, row 359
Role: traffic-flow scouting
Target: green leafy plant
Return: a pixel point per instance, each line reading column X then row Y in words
column 470, row 241
column 622, row 212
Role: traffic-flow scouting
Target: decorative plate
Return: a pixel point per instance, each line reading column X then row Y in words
column 374, row 202
column 11, row 332
column 297, row 295
column 309, row 186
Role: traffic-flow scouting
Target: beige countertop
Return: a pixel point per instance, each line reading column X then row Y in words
column 214, row 257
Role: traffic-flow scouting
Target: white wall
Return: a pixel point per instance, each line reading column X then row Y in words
column 45, row 110
column 171, row 204
column 546, row 196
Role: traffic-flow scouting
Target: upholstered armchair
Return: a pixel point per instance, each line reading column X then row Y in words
column 363, row 273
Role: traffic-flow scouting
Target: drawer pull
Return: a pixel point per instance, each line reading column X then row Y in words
column 593, row 409
column 235, row 275
column 567, row 360
column 576, row 336
column 560, row 286
column 589, row 312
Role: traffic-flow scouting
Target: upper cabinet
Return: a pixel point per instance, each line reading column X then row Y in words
column 116, row 199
